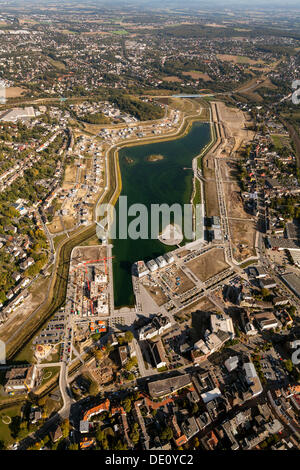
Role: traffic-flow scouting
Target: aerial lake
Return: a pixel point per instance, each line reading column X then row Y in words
column 153, row 181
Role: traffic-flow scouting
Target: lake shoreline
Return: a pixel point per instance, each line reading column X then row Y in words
column 166, row 182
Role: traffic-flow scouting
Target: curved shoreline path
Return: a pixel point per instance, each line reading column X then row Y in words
column 167, row 181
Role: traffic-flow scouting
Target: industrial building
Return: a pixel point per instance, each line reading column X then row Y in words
column 15, row 114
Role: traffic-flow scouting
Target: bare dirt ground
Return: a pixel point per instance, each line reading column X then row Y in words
column 209, row 264
column 172, row 79
column 228, row 169
column 242, row 231
column 69, row 222
column 235, row 124
column 237, row 59
column 236, row 132
column 156, row 294
column 35, row 298
column 14, row 92
column 234, row 201
column 83, row 254
column 243, row 239
column 210, row 188
column 202, row 305
column 66, row 222
column 70, row 177
column 196, row 75
column 176, row 279
column 185, row 282
column 56, row 225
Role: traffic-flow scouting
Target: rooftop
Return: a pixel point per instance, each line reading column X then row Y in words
column 163, row 387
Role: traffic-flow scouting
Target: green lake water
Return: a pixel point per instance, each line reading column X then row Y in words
column 158, row 182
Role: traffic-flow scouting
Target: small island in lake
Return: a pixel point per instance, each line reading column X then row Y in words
column 129, row 161
column 155, row 158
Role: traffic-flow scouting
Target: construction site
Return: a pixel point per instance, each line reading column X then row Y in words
column 88, row 287
column 83, row 181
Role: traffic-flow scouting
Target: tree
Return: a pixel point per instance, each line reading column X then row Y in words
column 265, row 292
column 288, row 365
column 131, row 363
column 292, row 309
column 195, row 409
column 196, row 442
column 100, row 435
column 99, row 354
column 73, row 446
column 35, row 446
column 127, row 404
column 121, row 340
column 65, row 427
column 128, row 336
column 166, row 434
column 135, row 435
column 93, row 388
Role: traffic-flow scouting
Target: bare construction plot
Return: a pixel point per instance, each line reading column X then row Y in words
column 199, row 306
column 85, row 254
column 243, row 235
column 209, row 264
column 241, row 227
column 235, row 124
column 235, row 207
column 156, row 293
column 37, row 295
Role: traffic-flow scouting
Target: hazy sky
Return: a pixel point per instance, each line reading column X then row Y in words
column 181, row 5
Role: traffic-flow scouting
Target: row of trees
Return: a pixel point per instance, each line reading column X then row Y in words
column 137, row 108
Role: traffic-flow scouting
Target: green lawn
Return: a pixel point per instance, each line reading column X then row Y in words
column 58, row 239
column 248, row 263
column 49, row 373
column 277, row 141
column 120, row 32
column 197, row 197
column 280, row 141
column 25, row 356
column 5, row 429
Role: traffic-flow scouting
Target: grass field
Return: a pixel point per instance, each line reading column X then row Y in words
column 238, row 59
column 120, row 32
column 49, row 373
column 280, row 141
column 58, row 239
column 197, row 75
column 197, row 196
column 56, row 63
column 25, row 355
column 6, row 429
